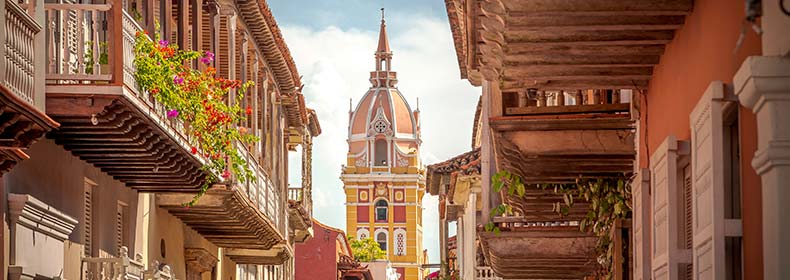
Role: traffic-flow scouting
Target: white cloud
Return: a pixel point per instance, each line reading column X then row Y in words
column 335, row 65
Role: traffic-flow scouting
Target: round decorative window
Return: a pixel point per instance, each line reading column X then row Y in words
column 380, row 126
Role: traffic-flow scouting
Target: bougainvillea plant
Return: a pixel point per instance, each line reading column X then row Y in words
column 199, row 98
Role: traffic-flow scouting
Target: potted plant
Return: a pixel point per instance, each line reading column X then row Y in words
column 103, row 58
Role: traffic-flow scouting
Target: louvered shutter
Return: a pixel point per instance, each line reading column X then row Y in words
column 641, row 199
column 708, row 184
column 87, row 213
column 666, row 252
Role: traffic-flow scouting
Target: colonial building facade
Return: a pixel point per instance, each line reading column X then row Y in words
column 688, row 99
column 383, row 178
column 95, row 174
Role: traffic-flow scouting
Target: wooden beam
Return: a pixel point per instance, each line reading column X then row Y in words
column 585, row 50
column 593, row 22
column 535, row 6
column 577, row 109
column 517, row 36
column 587, row 59
column 574, row 84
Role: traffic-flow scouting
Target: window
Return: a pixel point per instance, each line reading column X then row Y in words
column 381, row 211
column 122, row 237
column 381, row 238
column 400, row 242
column 381, row 153
column 89, row 200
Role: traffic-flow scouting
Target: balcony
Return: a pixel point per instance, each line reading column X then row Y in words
column 22, row 120
column 123, row 267
column 557, row 136
column 105, row 119
column 299, row 214
column 248, row 216
column 109, row 122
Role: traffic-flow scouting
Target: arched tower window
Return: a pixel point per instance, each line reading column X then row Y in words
column 381, row 238
column 381, row 211
column 380, row 158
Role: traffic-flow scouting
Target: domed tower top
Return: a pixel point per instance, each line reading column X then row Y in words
column 383, row 130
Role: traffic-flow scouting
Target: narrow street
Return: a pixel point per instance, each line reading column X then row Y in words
column 394, row 139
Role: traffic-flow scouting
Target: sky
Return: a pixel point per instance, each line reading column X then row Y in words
column 332, row 43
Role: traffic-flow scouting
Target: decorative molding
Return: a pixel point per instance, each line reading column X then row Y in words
column 36, row 215
column 199, row 260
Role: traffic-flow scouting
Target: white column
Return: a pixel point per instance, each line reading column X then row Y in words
column 763, row 84
column 469, row 255
column 459, row 244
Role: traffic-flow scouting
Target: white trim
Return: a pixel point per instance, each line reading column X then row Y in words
column 380, row 176
column 388, row 203
column 370, row 186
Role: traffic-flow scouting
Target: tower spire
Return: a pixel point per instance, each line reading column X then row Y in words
column 384, row 45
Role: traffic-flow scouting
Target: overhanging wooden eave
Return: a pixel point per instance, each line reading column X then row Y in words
column 127, row 137
column 225, row 217
column 514, row 36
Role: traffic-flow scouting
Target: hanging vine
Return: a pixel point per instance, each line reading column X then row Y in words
column 609, row 200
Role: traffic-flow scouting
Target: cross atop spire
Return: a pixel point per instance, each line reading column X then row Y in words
column 384, row 46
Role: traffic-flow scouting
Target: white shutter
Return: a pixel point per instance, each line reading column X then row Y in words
column 708, row 184
column 641, row 200
column 666, row 251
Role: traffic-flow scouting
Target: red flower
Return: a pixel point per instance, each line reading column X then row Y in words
column 226, row 174
column 249, row 110
column 194, row 150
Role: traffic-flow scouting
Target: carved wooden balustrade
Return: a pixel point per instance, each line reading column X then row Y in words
column 485, row 273
column 299, row 216
column 22, row 120
column 17, row 71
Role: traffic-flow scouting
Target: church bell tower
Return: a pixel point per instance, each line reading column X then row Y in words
column 383, row 177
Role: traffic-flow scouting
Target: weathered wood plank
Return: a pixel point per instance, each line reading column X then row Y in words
column 577, row 109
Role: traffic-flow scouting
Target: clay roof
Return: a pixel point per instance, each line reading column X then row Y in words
column 476, row 124
column 464, row 164
column 267, row 35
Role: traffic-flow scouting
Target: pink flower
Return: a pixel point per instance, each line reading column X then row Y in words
column 178, row 80
column 172, row 113
column 163, row 43
column 226, row 174
column 208, row 58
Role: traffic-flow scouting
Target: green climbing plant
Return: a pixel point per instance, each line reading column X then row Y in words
column 608, row 198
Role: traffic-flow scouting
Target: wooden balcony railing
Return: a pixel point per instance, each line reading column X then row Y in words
column 485, row 273
column 298, row 194
column 78, row 43
column 124, row 268
column 262, row 191
column 17, row 53
column 563, row 102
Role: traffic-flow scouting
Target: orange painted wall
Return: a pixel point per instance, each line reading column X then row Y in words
column 702, row 51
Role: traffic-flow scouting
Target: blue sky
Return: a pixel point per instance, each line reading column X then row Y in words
column 333, row 43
